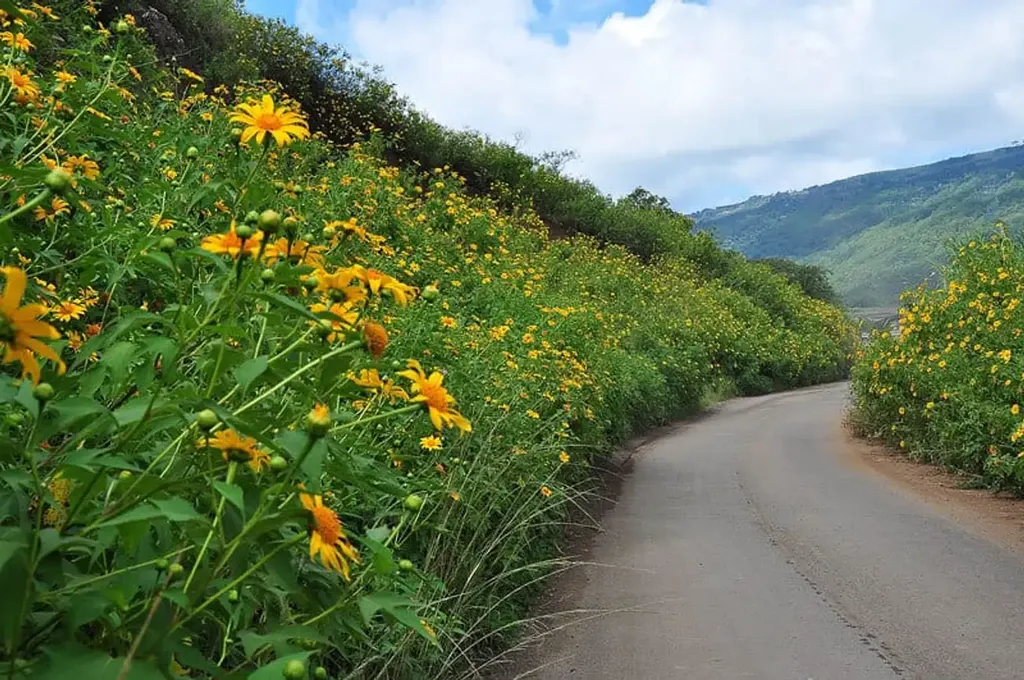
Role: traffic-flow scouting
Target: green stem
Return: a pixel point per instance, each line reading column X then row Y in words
column 295, row 374
column 230, row 586
column 124, row 570
column 378, row 417
column 232, row 469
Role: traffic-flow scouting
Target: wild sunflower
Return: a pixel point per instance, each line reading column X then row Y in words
column 300, row 252
column 58, row 206
column 327, row 538
column 67, row 310
column 17, row 41
column 371, row 379
column 346, row 318
column 337, row 285
column 20, row 326
column 22, row 83
column 431, row 443
column 263, row 118
column 232, row 244
column 430, row 392
column 234, row 446
column 378, row 282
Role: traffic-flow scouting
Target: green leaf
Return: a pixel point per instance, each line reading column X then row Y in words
column 136, row 409
column 288, row 303
column 8, row 549
column 143, row 513
column 70, row 411
column 177, row 509
column 254, row 642
column 397, row 607
column 246, row 373
column 74, row 662
column 117, row 360
column 233, row 494
column 383, row 558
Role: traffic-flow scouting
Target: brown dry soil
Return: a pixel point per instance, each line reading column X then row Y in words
column 761, row 541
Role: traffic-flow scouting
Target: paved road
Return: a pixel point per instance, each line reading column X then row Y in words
column 748, row 545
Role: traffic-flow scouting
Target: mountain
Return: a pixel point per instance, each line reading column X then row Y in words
column 882, row 232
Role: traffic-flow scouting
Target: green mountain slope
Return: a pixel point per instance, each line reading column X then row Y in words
column 881, row 232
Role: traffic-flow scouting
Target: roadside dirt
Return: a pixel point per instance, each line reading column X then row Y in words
column 998, row 518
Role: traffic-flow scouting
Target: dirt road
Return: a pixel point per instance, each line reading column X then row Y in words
column 753, row 544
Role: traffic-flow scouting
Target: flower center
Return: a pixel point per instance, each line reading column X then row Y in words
column 8, row 333
column 327, row 524
column 437, row 397
column 268, row 121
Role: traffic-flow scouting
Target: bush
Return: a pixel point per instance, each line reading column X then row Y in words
column 947, row 388
column 280, row 404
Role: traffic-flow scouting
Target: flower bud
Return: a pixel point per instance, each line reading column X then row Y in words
column 320, row 673
column 430, row 293
column 43, row 392
column 58, row 181
column 294, row 670
column 192, row 153
column 236, row 135
column 167, row 244
column 233, row 596
column 278, row 463
column 310, row 282
column 243, row 231
column 207, row 419
column 413, row 502
column 175, row 570
column 269, row 221
column 318, row 421
column 406, row 565
column 122, row 27
column 268, row 275
column 252, row 218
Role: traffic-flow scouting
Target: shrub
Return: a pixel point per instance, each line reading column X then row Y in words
column 276, row 404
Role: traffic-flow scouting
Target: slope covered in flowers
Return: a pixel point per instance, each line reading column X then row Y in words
column 274, row 408
column 948, row 388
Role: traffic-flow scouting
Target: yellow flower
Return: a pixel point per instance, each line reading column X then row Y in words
column 191, row 75
column 161, row 222
column 327, row 538
column 564, row 457
column 22, row 83
column 58, row 206
column 346, row 318
column 431, row 443
column 234, row 446
column 68, row 310
column 231, row 244
column 1015, row 409
column 431, row 392
column 16, row 41
column 301, row 252
column 20, row 326
column 378, row 281
column 533, row 414
column 261, row 119
column 545, row 491
column 449, row 322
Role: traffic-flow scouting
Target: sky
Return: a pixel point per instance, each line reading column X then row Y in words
column 705, row 102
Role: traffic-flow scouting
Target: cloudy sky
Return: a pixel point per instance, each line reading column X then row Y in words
column 706, row 102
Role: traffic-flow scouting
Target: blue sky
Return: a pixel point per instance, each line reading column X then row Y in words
column 705, row 102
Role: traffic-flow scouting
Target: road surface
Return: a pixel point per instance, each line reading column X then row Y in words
column 748, row 544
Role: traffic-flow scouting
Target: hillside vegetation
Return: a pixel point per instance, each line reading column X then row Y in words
column 883, row 232
column 947, row 389
column 274, row 406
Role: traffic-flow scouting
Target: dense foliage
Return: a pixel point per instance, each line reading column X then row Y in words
column 881, row 233
column 947, row 388
column 274, row 407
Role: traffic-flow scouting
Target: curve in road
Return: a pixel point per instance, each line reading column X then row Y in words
column 745, row 545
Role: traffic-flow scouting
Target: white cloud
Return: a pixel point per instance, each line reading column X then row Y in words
column 709, row 102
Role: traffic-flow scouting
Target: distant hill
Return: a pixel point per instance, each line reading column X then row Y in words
column 881, row 232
